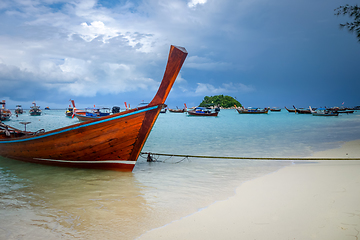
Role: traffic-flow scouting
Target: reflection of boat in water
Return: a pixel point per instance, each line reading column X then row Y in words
column 252, row 110
column 323, row 112
column 19, row 109
column 111, row 142
column 202, row 111
column 92, row 113
column 5, row 114
column 35, row 110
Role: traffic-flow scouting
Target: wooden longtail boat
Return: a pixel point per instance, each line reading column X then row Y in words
column 93, row 113
column 35, row 110
column 290, row 110
column 201, row 111
column 302, row 110
column 19, row 110
column 252, row 110
column 178, row 110
column 5, row 114
column 113, row 142
column 323, row 112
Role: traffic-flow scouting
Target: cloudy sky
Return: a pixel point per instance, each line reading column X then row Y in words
column 107, row 52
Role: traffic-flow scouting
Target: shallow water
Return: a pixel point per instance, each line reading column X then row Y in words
column 43, row 202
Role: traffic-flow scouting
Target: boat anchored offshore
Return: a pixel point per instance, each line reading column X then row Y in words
column 19, row 109
column 252, row 110
column 112, row 142
column 202, row 111
column 5, row 114
column 323, row 112
column 92, row 113
column 35, row 110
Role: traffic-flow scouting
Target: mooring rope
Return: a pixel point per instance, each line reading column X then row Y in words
column 247, row 158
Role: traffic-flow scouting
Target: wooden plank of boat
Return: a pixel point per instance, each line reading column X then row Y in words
column 112, row 142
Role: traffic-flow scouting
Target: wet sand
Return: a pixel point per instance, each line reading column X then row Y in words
column 307, row 200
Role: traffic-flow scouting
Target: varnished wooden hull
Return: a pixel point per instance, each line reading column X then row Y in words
column 112, row 142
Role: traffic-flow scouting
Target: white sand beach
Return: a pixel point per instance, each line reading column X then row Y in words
column 307, row 200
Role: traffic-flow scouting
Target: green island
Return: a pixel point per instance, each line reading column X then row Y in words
column 220, row 101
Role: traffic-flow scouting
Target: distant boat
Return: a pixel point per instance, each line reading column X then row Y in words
column 92, row 113
column 323, row 112
column 19, row 110
column 290, row 110
column 5, row 114
column 252, row 110
column 69, row 111
column 35, row 110
column 115, row 109
column 178, row 110
column 202, row 111
column 302, row 110
column 275, row 109
column 163, row 109
column 113, row 142
column 47, row 108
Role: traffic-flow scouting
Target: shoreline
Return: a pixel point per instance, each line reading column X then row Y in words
column 307, row 200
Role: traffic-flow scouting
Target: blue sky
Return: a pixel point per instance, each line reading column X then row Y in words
column 264, row 53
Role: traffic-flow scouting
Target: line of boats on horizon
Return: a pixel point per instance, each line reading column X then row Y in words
column 95, row 112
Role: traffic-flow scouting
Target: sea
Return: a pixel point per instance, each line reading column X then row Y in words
column 45, row 202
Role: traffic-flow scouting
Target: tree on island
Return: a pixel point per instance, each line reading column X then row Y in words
column 353, row 12
column 220, row 100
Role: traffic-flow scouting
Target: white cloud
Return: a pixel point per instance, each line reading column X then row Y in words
column 194, row 3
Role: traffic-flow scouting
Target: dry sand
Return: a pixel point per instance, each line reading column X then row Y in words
column 307, row 200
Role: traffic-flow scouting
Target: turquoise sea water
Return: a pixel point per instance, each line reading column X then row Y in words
column 43, row 202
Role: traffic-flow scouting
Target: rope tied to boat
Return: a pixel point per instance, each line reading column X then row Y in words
column 243, row 158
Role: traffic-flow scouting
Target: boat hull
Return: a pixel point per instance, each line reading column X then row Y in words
column 252, row 112
column 194, row 113
column 111, row 143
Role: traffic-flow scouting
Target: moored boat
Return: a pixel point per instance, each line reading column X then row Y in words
column 92, row 113
column 302, row 110
column 113, row 142
column 275, row 109
column 323, row 112
column 5, row 114
column 178, row 110
column 47, row 108
column 252, row 110
column 35, row 110
column 202, row 111
column 290, row 110
column 19, row 109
